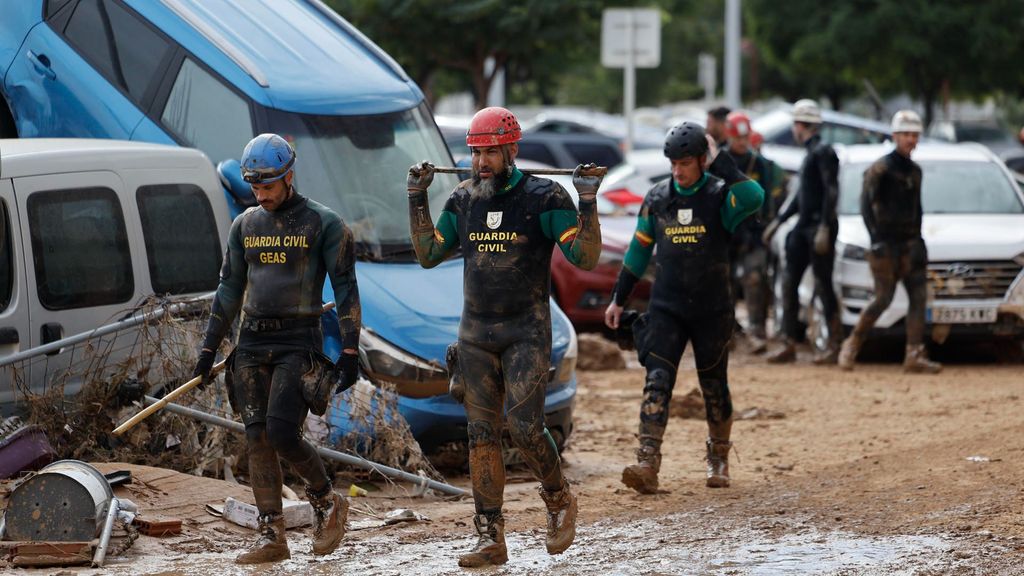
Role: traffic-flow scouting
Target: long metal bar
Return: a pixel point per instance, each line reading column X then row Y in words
column 101, row 331
column 598, row 171
column 323, row 451
column 100, row 555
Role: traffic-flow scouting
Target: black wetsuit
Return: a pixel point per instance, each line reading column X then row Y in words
column 505, row 334
column 815, row 203
column 891, row 207
column 278, row 260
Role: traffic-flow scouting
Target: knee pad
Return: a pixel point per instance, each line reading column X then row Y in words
column 659, row 380
column 481, row 433
column 717, row 400
column 284, row 437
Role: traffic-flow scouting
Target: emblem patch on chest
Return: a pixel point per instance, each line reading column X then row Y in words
column 494, row 220
column 685, row 216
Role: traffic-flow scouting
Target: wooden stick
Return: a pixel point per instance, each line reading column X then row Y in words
column 173, row 394
column 596, row 171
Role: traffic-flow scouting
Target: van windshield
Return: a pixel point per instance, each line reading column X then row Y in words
column 357, row 166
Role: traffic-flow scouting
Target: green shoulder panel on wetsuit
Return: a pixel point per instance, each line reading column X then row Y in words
column 447, row 233
column 638, row 255
column 744, row 198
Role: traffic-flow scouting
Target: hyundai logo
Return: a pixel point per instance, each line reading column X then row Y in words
column 960, row 270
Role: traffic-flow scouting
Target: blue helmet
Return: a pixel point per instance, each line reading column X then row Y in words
column 267, row 158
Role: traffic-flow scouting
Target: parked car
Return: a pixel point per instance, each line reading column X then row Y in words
column 837, row 128
column 211, row 75
column 974, row 228
column 626, row 185
column 569, row 150
column 989, row 134
column 578, row 121
column 88, row 229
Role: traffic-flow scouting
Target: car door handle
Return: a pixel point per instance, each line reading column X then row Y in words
column 41, row 62
column 9, row 335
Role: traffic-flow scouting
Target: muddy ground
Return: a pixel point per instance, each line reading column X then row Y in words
column 874, row 472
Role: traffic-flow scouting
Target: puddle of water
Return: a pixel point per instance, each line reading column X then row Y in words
column 674, row 544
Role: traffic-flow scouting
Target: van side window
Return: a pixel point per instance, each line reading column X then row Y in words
column 6, row 259
column 181, row 238
column 80, row 248
column 124, row 48
column 206, row 114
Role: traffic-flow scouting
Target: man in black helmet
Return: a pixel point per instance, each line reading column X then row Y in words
column 690, row 218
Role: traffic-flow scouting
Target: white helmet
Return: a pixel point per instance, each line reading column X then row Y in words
column 906, row 121
column 807, row 110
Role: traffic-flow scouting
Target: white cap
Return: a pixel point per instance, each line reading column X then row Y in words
column 906, row 121
column 807, row 110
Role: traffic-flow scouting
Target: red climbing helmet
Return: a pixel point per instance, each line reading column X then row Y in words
column 493, row 126
column 738, row 124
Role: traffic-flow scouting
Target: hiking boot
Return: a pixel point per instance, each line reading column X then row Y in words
column 827, row 356
column 784, row 355
column 916, row 361
column 490, row 548
column 562, row 508
column 718, row 463
column 329, row 514
column 758, row 344
column 272, row 545
column 848, row 352
column 643, row 476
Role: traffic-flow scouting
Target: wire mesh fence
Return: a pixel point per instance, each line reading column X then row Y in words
column 78, row 394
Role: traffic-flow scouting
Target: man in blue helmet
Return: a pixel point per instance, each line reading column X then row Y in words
column 690, row 218
column 278, row 256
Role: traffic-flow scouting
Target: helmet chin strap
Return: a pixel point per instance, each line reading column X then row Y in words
column 509, row 162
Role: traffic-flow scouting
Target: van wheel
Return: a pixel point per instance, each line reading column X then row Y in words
column 7, row 127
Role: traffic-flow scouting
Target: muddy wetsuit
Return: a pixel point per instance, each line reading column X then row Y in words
column 505, row 332
column 816, row 204
column 748, row 250
column 691, row 299
column 891, row 206
column 274, row 272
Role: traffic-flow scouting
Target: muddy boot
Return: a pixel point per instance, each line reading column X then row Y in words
column 916, row 361
column 329, row 514
column 757, row 341
column 784, row 355
column 490, row 548
column 562, row 510
column 643, row 476
column 272, row 545
column 718, row 463
column 848, row 352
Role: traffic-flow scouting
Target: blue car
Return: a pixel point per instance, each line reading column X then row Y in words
column 211, row 74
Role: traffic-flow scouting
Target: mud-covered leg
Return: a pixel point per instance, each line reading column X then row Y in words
column 883, row 270
column 664, row 341
column 755, row 292
column 797, row 258
column 916, row 281
column 484, row 402
column 711, row 352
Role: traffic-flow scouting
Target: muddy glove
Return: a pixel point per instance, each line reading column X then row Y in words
column 347, row 369
column 420, row 177
column 769, row 232
column 204, row 365
column 586, row 185
column 822, row 239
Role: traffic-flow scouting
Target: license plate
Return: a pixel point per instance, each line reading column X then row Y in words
column 961, row 315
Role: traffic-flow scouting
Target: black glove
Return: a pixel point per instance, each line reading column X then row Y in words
column 420, row 177
column 347, row 369
column 204, row 365
column 586, row 186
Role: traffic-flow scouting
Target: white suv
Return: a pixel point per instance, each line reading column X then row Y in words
column 973, row 226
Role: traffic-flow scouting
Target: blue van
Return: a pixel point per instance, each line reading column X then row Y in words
column 211, row 74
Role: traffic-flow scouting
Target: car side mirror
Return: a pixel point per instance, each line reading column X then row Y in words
column 230, row 172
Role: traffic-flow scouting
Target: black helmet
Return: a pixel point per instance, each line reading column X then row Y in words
column 685, row 139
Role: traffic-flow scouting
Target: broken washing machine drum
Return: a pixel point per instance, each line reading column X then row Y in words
column 66, row 501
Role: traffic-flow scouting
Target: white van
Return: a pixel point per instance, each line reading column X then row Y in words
column 91, row 228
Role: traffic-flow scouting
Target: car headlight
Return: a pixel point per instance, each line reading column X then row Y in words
column 567, row 366
column 389, row 363
column 854, row 252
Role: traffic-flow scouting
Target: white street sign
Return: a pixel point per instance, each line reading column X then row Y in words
column 623, row 27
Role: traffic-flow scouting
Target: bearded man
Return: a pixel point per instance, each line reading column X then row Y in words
column 507, row 224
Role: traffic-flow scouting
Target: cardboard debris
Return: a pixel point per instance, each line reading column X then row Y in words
column 41, row 554
column 297, row 513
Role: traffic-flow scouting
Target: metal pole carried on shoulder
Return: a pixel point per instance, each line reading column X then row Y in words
column 173, row 394
column 594, row 171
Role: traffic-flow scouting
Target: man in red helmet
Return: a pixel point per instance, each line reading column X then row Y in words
column 750, row 257
column 507, row 224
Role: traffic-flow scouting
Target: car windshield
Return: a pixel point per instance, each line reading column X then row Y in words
column 357, row 165
column 946, row 188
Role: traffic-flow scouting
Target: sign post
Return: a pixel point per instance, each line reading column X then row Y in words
column 630, row 39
